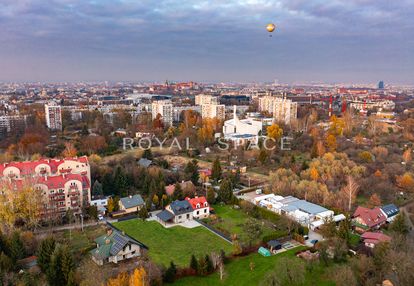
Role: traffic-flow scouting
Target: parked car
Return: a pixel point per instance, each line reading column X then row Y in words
column 100, row 217
column 314, row 241
column 305, row 237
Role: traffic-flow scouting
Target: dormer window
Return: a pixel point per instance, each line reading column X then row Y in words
column 205, row 204
column 198, row 206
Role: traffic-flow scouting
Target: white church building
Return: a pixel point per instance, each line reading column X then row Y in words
column 240, row 131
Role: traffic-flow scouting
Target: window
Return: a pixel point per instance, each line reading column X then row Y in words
column 205, row 210
column 179, row 217
column 198, row 212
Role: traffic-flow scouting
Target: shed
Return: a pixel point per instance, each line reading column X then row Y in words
column 263, row 251
column 274, row 245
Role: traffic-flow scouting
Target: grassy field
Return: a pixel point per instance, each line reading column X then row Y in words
column 231, row 220
column 238, row 272
column 173, row 244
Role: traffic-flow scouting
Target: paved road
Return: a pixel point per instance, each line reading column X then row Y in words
column 72, row 226
column 313, row 235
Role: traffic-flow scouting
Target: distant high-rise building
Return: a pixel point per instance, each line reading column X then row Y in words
column 165, row 109
column 283, row 109
column 206, row 99
column 53, row 113
column 210, row 107
column 381, row 85
column 213, row 111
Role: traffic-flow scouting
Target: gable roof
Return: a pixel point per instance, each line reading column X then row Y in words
column 181, row 207
column 165, row 215
column 390, row 210
column 371, row 217
column 375, row 237
column 132, row 201
column 197, row 200
column 111, row 244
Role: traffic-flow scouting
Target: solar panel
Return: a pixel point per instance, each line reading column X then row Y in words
column 119, row 243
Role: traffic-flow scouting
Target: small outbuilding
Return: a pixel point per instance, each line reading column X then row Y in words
column 264, row 251
column 274, row 245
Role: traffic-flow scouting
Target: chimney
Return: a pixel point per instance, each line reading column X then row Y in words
column 130, row 196
column 46, row 178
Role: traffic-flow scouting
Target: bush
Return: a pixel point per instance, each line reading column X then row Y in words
column 274, row 235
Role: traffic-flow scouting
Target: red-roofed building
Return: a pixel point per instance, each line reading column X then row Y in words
column 201, row 208
column 365, row 218
column 64, row 184
column 371, row 239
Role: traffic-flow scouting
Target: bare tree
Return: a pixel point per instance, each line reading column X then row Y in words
column 351, row 191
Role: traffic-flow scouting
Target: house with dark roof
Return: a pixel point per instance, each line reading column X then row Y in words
column 365, row 219
column 390, row 211
column 131, row 204
column 115, row 246
column 176, row 212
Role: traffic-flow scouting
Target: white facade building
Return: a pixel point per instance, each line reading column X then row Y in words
column 53, row 113
column 206, row 99
column 243, row 130
column 165, row 109
column 283, row 109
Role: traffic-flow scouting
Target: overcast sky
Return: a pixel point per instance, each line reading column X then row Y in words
column 210, row 40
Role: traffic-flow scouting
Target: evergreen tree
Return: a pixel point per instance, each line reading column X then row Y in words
column 225, row 193
column 209, row 264
column 54, row 273
column 211, row 196
column 143, row 213
column 120, row 182
column 194, row 263
column 16, row 247
column 6, row 264
column 178, row 192
column 399, row 224
column 108, row 185
column 46, row 248
column 191, row 170
column 170, row 273
column 147, row 154
column 97, row 189
column 67, row 264
column 216, row 170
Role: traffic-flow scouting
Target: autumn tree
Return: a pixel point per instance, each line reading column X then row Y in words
column 374, row 200
column 122, row 279
column 23, row 203
column 407, row 155
column 274, row 132
column 70, row 150
column 331, row 142
column 406, row 182
column 138, row 277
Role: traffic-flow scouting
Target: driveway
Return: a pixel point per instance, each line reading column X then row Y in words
column 313, row 235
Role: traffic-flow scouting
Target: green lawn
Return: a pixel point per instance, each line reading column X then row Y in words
column 231, row 222
column 176, row 243
column 238, row 272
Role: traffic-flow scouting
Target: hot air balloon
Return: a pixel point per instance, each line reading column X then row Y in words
column 270, row 28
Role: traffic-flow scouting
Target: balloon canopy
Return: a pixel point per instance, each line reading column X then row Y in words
column 270, row 27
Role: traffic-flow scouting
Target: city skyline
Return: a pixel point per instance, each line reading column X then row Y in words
column 341, row 41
